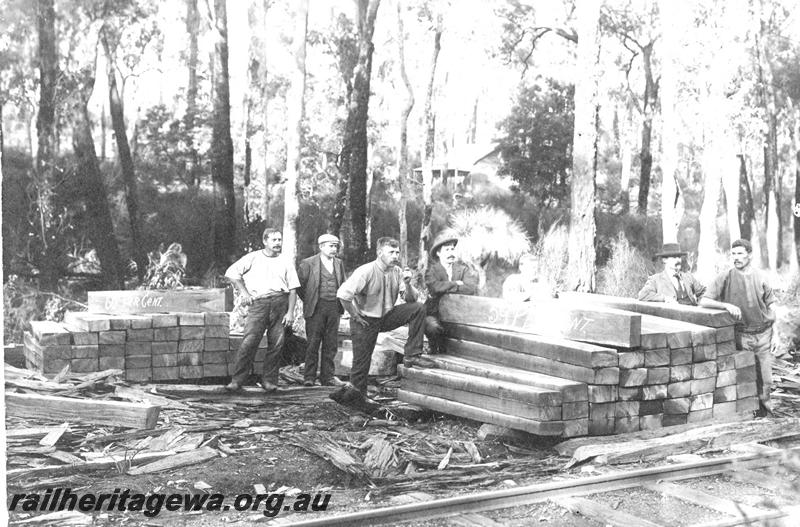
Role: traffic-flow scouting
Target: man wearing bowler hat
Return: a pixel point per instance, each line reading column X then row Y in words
column 674, row 286
column 320, row 277
column 445, row 274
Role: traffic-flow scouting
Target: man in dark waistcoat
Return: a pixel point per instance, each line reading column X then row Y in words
column 320, row 277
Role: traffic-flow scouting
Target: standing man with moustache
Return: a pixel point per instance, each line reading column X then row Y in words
column 748, row 291
column 369, row 295
column 267, row 282
column 320, row 277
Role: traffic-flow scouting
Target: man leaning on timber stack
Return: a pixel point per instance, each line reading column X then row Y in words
column 748, row 290
column 369, row 295
column 267, row 283
column 320, row 277
column 444, row 275
column 672, row 285
column 675, row 286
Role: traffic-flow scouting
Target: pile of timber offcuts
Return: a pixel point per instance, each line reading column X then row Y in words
column 585, row 364
column 71, row 424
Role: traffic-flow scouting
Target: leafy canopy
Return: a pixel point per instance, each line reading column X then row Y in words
column 536, row 142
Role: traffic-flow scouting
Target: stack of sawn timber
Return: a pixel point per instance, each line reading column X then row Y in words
column 147, row 346
column 605, row 370
column 707, row 376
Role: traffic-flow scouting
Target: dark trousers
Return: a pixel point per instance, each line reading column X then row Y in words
column 364, row 338
column 435, row 333
column 265, row 314
column 322, row 327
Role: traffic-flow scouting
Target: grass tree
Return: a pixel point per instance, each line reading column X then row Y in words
column 488, row 234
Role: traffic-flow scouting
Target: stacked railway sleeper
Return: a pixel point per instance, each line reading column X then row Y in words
column 584, row 364
column 147, row 346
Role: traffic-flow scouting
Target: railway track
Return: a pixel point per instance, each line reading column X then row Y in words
column 570, row 495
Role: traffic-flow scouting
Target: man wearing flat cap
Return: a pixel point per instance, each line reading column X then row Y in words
column 320, row 277
column 444, row 275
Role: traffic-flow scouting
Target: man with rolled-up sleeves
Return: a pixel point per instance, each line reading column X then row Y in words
column 267, row 282
column 369, row 295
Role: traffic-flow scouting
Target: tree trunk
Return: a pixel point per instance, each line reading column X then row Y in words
column 340, row 204
column 402, row 149
column 294, row 134
column 99, row 224
column 648, row 105
column 747, row 216
column 103, row 133
column 730, row 185
column 772, row 183
column 192, row 29
column 355, row 144
column 46, row 259
column 717, row 160
column 581, row 250
column 796, row 207
column 706, row 248
column 427, row 162
column 368, row 226
column 224, row 213
column 670, row 138
column 761, row 223
column 116, row 110
column 626, row 139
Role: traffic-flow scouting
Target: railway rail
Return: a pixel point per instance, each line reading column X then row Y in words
column 569, row 494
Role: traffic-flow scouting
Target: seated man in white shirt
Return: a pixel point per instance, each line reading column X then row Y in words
column 267, row 282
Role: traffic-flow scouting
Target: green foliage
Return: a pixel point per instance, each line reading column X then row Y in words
column 625, row 271
column 642, row 233
column 536, row 142
column 165, row 146
column 23, row 302
column 166, row 269
column 39, row 232
column 551, row 248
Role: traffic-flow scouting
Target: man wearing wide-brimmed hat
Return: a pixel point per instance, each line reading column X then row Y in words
column 445, row 274
column 672, row 285
column 320, row 277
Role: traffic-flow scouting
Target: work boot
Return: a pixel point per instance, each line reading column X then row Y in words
column 418, row 361
column 333, row 381
column 268, row 386
column 763, row 411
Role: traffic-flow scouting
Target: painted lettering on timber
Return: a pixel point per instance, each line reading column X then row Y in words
column 147, row 299
column 581, row 323
column 519, row 318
